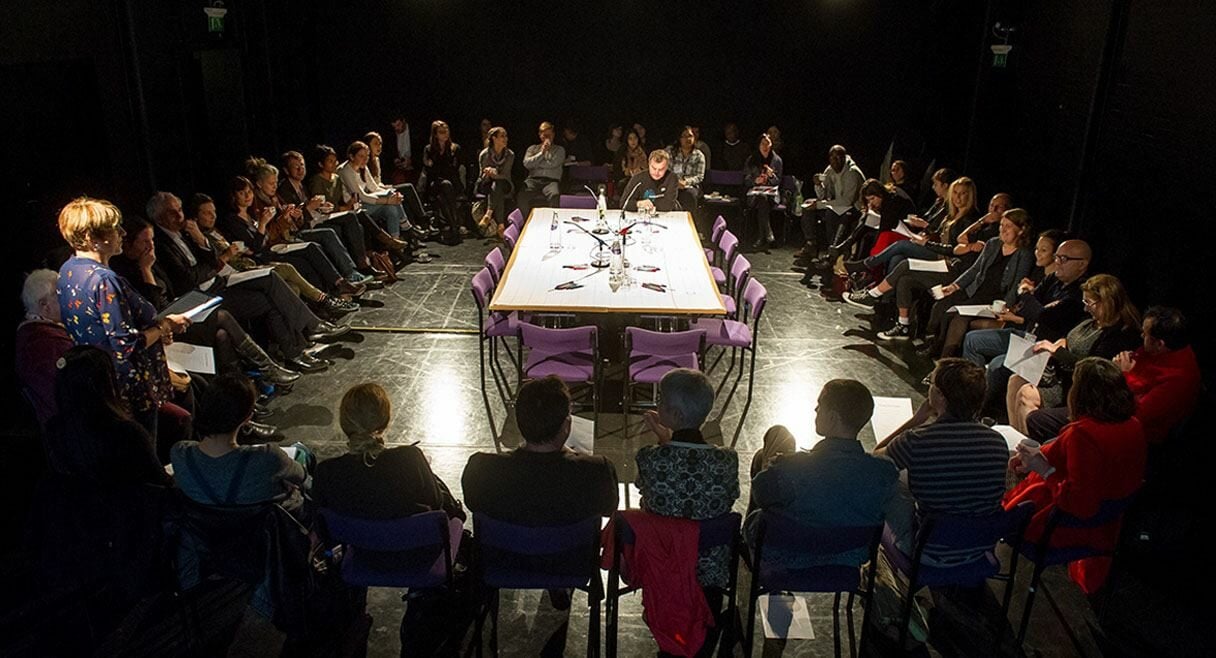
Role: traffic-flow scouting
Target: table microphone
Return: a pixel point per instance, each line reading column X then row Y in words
column 625, row 203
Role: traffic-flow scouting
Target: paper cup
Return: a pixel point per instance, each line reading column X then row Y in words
column 998, row 306
column 937, row 293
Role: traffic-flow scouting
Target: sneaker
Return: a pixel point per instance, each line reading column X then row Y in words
column 861, row 298
column 898, row 332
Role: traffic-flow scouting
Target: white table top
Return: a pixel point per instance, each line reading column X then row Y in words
column 533, row 271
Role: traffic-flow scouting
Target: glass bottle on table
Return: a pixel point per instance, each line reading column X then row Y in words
column 555, row 234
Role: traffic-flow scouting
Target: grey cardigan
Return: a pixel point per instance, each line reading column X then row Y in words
column 1017, row 268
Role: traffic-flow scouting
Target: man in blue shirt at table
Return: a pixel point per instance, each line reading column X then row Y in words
column 835, row 484
column 656, row 188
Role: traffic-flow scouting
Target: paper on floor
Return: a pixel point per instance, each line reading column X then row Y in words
column 785, row 617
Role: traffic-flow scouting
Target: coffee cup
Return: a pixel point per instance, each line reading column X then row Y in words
column 998, row 306
column 936, row 291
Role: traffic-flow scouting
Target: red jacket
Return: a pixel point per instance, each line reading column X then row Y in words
column 40, row 343
column 1166, row 387
column 1094, row 462
column 662, row 561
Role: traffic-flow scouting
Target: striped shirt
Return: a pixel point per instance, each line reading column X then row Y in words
column 954, row 467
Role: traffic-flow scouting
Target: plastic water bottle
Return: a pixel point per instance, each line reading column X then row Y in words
column 601, row 205
column 555, row 234
column 616, row 266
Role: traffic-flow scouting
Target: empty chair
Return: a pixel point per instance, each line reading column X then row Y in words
column 653, row 354
column 516, row 218
column 715, row 234
column 576, row 201
column 774, row 530
column 426, row 544
column 740, row 272
column 511, row 235
column 493, row 328
column 524, row 557
column 589, row 175
column 738, row 335
column 728, row 245
column 496, row 263
column 571, row 355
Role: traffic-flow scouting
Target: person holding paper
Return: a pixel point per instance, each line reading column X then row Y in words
column 957, row 214
column 763, row 167
column 955, row 464
column 891, row 208
column 1113, row 327
column 102, row 309
column 837, row 203
column 386, row 205
column 835, row 483
column 653, row 189
column 1099, row 457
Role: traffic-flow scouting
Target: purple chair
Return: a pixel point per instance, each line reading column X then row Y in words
column 511, row 236
column 496, row 263
column 572, row 355
column 653, row 354
column 494, row 328
column 425, row 543
column 740, row 272
column 516, row 218
column 576, row 201
column 726, row 182
column 949, row 532
column 728, row 244
column 737, row 335
column 510, row 557
column 719, row 531
column 715, row 234
column 1043, row 555
column 787, row 187
column 590, row 175
column 774, row 530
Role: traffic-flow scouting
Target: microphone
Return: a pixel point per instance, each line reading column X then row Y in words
column 625, row 203
column 591, row 191
column 594, row 236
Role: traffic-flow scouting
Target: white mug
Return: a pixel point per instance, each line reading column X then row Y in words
column 998, row 306
column 936, row 291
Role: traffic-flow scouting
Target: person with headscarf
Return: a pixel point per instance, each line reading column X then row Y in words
column 373, row 481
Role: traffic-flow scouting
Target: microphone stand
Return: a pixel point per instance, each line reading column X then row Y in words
column 598, row 258
column 625, row 203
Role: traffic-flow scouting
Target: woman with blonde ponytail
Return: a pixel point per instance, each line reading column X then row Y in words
column 373, row 480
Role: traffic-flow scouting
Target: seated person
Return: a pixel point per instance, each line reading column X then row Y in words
column 95, row 437
column 763, row 168
column 835, row 483
column 1163, row 375
column 495, row 163
column 1100, row 456
column 734, row 152
column 688, row 164
column 943, row 219
column 1113, row 327
column 683, row 476
column 901, row 179
column 544, row 162
column 399, row 212
column 654, row 189
column 441, row 165
column 891, row 208
column 325, row 183
column 836, row 205
column 215, row 470
column 628, row 160
column 41, row 340
column 575, row 145
column 954, row 464
column 372, row 481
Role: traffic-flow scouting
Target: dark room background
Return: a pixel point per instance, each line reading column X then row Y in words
column 1100, row 120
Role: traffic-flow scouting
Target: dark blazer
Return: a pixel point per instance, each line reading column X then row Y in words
column 1016, row 269
column 234, row 228
column 181, row 275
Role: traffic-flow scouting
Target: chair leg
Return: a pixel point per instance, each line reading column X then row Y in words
column 751, row 380
column 749, row 634
column 479, row 628
column 848, row 611
column 626, row 400
column 1030, row 592
column 485, row 396
column 494, row 601
column 593, row 624
column 905, row 617
column 836, row 624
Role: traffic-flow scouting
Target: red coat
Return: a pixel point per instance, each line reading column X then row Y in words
column 40, row 343
column 1166, row 387
column 1094, row 462
column 663, row 562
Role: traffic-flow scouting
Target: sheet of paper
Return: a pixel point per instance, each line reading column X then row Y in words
column 1012, row 436
column 921, row 265
column 974, row 310
column 839, row 209
column 873, row 219
column 290, row 450
column 184, row 357
column 1023, row 361
column 902, row 229
column 582, row 436
column 249, row 275
column 785, row 616
column 889, row 414
column 227, row 270
column 288, row 247
column 191, row 302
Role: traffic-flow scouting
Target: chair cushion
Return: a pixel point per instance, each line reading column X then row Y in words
column 569, row 367
column 729, row 303
column 709, row 254
column 970, row 573
column 646, row 369
column 501, row 324
column 725, row 333
column 719, row 275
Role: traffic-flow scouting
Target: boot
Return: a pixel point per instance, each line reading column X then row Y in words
column 271, row 371
column 344, row 287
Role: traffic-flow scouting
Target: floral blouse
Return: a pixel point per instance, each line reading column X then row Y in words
column 102, row 309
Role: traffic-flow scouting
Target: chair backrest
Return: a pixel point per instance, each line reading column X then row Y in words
column 740, row 270
column 420, row 547
column 511, row 235
column 588, row 174
column 723, row 178
column 576, row 201
column 950, row 532
column 716, row 230
column 1108, row 512
column 496, row 262
column 483, row 288
column 515, row 217
column 659, row 343
column 728, row 244
column 574, row 547
column 755, row 296
column 788, row 183
column 719, row 531
column 573, row 339
column 775, row 530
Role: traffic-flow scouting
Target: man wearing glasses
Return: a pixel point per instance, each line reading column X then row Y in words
column 1047, row 311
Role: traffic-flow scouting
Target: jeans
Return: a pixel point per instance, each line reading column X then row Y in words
column 987, row 347
column 329, row 241
column 897, row 253
column 348, row 228
column 391, row 216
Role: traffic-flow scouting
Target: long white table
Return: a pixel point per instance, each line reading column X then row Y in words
column 534, row 272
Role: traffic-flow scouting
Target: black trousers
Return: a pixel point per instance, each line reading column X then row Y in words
column 267, row 299
column 311, row 262
column 221, row 332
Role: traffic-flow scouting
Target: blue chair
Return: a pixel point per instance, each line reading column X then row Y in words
column 413, row 551
column 508, row 556
column 981, row 533
column 774, row 530
column 1043, row 555
column 719, row 531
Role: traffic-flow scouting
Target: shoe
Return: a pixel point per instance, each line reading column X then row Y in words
column 807, row 279
column 255, row 432
column 419, row 233
column 260, row 410
column 307, row 364
column 372, row 272
column 898, row 332
column 423, row 258
column 345, row 287
column 856, row 266
column 337, row 306
column 464, row 232
column 929, row 380
column 432, row 234
column 861, row 299
column 806, row 251
column 271, row 371
column 328, row 331
column 358, row 277
column 374, row 284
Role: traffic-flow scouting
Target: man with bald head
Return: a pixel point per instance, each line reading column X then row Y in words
column 1047, row 311
column 837, row 202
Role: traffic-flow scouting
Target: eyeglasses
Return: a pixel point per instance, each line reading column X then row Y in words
column 1089, row 303
column 1061, row 258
